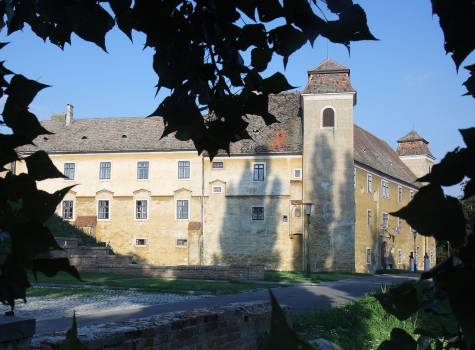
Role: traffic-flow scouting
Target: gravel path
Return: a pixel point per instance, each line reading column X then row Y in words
column 108, row 300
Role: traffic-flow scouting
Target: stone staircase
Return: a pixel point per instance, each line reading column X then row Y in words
column 81, row 256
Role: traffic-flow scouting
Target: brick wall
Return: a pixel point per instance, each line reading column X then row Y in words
column 229, row 273
column 231, row 327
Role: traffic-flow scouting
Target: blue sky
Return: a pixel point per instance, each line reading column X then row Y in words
column 405, row 80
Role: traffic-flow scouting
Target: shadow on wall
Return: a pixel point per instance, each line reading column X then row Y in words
column 322, row 252
column 244, row 238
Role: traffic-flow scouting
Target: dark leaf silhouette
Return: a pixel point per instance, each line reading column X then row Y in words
column 23, row 90
column 456, row 21
column 399, row 340
column 470, row 82
column 51, row 266
column 40, row 166
column 447, row 220
column 72, row 341
column 40, row 205
column 282, row 336
column 401, row 301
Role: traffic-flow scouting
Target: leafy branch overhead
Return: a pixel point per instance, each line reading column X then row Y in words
column 444, row 296
column 200, row 50
column 23, row 208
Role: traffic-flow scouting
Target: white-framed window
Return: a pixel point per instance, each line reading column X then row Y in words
column 399, row 194
column 68, row 209
column 182, row 209
column 370, row 183
column 399, row 225
column 369, row 256
column 69, row 170
column 143, row 170
column 258, row 171
column 285, row 219
column 411, row 194
column 217, row 165
column 385, row 188
column 369, row 218
column 399, row 256
column 385, row 220
column 181, row 242
column 141, row 209
column 183, row 169
column 104, row 170
column 217, row 189
column 103, row 209
column 257, row 213
column 328, row 118
column 297, row 173
column 141, row 242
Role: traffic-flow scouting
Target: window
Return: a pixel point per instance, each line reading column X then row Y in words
column 217, row 189
column 412, row 195
column 141, row 209
column 369, row 218
column 285, row 218
column 385, row 188
column 354, row 177
column 257, row 213
column 370, row 183
column 399, row 226
column 140, row 242
column 181, row 243
column 259, row 172
column 298, row 173
column 184, row 169
column 399, row 256
column 369, row 258
column 142, row 170
column 68, row 210
column 217, row 165
column 328, row 118
column 103, row 210
column 69, row 170
column 399, row 194
column 385, row 222
column 182, row 209
column 105, row 170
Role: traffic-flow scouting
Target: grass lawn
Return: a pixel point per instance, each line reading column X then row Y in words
column 358, row 325
column 150, row 284
column 315, row 277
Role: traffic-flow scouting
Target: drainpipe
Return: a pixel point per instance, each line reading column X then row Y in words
column 200, row 242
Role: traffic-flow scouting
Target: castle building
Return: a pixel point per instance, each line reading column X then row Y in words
column 311, row 192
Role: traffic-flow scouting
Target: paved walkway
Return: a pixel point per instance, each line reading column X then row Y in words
column 300, row 298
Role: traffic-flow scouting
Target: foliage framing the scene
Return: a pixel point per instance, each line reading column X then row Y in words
column 445, row 295
column 199, row 48
column 26, row 241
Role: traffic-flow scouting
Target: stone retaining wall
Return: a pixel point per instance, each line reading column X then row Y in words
column 232, row 327
column 229, row 273
column 16, row 332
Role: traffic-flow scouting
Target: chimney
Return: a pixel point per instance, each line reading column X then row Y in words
column 69, row 114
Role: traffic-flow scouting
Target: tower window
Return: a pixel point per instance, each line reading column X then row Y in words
column 328, row 118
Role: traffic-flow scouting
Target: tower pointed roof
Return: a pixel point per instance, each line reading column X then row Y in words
column 329, row 66
column 328, row 77
column 413, row 144
column 412, row 136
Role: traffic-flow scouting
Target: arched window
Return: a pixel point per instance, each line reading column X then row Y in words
column 328, row 118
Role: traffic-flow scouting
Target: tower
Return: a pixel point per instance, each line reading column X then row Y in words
column 414, row 151
column 328, row 166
